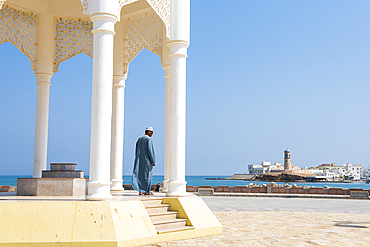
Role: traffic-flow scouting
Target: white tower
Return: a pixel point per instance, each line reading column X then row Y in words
column 287, row 161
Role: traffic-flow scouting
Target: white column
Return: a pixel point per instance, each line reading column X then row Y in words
column 44, row 72
column 179, row 42
column 41, row 124
column 167, row 129
column 117, row 132
column 101, row 108
column 119, row 78
column 166, row 67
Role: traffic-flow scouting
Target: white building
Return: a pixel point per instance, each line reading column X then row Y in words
column 347, row 171
column 353, row 172
column 366, row 173
column 255, row 169
column 265, row 167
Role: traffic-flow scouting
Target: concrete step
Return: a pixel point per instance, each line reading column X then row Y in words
column 163, row 216
column 174, row 229
column 169, row 224
column 151, row 202
column 157, row 209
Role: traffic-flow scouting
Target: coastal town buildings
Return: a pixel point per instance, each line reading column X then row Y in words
column 346, row 171
column 330, row 171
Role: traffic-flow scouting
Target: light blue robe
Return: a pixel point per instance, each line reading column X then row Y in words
column 143, row 164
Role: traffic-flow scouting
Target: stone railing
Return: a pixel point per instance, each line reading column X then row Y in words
column 7, row 188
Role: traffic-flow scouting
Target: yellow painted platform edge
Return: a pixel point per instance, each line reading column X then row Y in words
column 186, row 234
column 62, row 244
column 175, row 205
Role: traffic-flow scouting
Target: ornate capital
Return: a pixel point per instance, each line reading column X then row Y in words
column 43, row 79
column 178, row 48
column 119, row 80
column 166, row 71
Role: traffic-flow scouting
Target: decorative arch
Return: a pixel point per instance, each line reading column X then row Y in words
column 142, row 31
column 163, row 10
column 19, row 28
column 72, row 37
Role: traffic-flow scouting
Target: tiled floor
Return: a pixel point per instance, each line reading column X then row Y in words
column 288, row 222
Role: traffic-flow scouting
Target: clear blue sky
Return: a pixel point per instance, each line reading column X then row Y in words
column 263, row 76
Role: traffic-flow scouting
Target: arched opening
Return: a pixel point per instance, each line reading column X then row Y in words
column 18, row 106
column 144, row 106
column 70, row 112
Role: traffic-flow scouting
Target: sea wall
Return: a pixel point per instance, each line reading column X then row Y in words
column 267, row 189
column 271, row 189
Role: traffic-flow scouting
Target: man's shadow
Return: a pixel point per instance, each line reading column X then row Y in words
column 352, row 224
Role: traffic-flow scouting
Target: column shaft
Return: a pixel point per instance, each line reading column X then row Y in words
column 117, row 132
column 41, row 125
column 167, row 129
column 179, row 42
column 101, row 108
column 44, row 72
column 119, row 78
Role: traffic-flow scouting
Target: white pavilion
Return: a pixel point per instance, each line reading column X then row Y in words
column 112, row 32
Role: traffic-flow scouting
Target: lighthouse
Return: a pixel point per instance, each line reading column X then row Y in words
column 287, row 161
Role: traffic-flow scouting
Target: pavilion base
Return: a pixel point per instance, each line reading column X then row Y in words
column 51, row 186
column 92, row 223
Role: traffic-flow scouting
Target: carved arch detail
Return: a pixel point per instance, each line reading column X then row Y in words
column 19, row 28
column 72, row 37
column 142, row 31
column 163, row 10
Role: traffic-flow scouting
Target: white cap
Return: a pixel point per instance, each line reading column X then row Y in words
column 149, row 128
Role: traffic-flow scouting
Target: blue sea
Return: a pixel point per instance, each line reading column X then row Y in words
column 201, row 180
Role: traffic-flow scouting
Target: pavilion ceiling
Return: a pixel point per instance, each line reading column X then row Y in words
column 144, row 27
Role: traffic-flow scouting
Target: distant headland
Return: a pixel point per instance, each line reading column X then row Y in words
column 292, row 173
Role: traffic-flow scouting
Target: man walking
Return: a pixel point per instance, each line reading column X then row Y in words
column 144, row 162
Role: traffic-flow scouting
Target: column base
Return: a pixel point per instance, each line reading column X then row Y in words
column 98, row 191
column 116, row 185
column 177, row 189
column 165, row 186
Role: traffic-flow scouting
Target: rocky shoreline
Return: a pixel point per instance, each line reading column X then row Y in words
column 279, row 177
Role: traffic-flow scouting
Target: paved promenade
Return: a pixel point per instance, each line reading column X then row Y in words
column 263, row 221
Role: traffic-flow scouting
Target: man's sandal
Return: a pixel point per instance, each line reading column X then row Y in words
column 141, row 193
column 149, row 194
